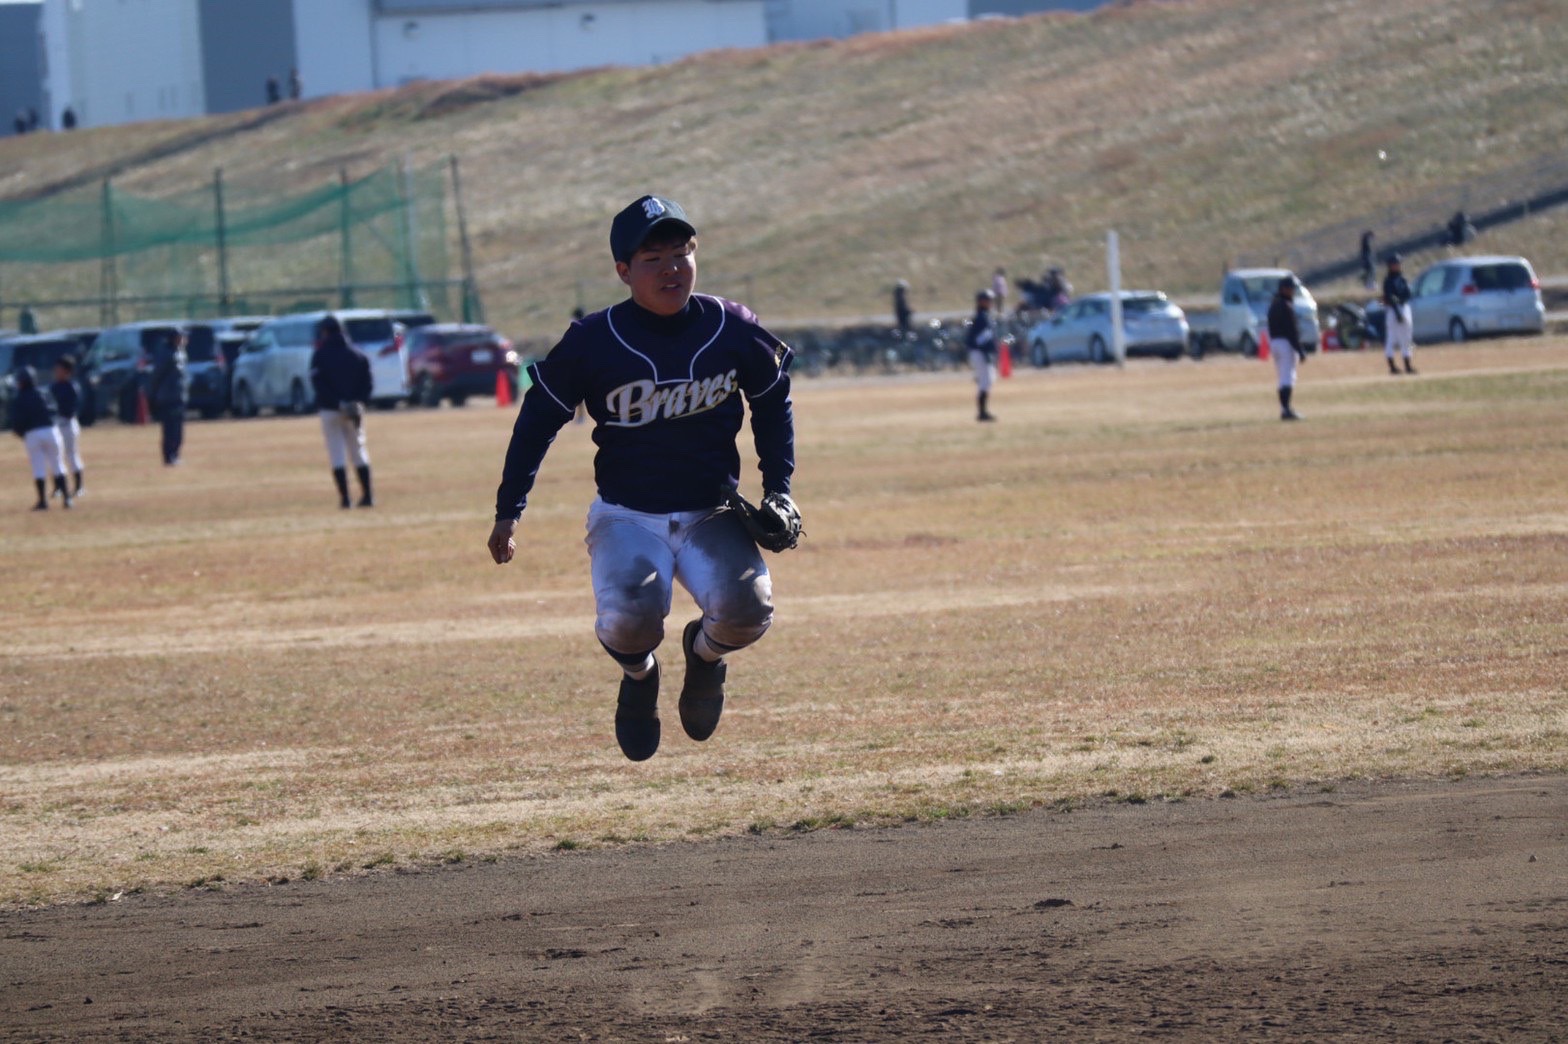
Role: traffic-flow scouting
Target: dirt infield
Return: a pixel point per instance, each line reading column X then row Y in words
column 1415, row 912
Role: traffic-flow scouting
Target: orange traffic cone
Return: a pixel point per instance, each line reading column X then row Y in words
column 1263, row 344
column 141, row 407
column 1004, row 360
column 503, row 389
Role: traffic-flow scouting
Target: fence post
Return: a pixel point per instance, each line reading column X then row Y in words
column 416, row 295
column 473, row 310
column 346, row 251
column 108, row 275
column 223, row 247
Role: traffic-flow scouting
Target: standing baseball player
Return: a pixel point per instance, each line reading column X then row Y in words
column 1398, row 331
column 663, row 375
column 32, row 419
column 981, row 339
column 67, row 404
column 340, row 375
column 1285, row 343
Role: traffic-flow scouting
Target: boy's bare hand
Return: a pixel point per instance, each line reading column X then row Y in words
column 502, row 544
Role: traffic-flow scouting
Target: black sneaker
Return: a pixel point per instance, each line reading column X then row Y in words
column 637, row 715
column 702, row 695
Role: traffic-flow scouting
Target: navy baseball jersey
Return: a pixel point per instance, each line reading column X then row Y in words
column 665, row 394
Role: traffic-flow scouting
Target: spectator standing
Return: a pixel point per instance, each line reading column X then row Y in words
column 981, row 339
column 26, row 321
column 32, row 419
column 1398, row 332
column 20, row 123
column 295, row 87
column 1285, row 343
column 67, row 403
column 274, row 95
column 901, row 313
column 1368, row 272
column 999, row 288
column 340, row 375
column 68, row 119
column 169, row 393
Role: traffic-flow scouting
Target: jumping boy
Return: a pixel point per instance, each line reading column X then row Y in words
column 663, row 375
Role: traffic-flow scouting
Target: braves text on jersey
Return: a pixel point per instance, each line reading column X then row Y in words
column 666, row 395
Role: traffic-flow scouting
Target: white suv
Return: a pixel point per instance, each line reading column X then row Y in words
column 272, row 370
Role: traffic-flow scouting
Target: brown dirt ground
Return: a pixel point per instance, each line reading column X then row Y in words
column 1394, row 911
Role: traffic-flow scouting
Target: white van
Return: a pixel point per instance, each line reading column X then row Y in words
column 272, row 370
column 1244, row 308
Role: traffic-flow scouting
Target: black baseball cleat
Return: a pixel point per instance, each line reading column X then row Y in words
column 702, row 694
column 637, row 715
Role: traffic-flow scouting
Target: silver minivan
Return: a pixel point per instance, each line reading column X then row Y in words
column 272, row 370
column 1464, row 297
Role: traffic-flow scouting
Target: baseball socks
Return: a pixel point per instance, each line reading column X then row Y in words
column 637, row 707
column 1285, row 412
column 367, row 500
column 62, row 489
column 1408, row 367
column 340, row 479
column 43, row 495
column 985, row 414
column 702, row 693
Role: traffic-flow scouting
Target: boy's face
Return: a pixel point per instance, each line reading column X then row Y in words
column 61, row 373
column 661, row 274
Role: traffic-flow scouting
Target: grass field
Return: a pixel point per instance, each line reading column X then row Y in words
column 1138, row 586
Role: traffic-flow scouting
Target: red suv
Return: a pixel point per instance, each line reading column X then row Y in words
column 455, row 360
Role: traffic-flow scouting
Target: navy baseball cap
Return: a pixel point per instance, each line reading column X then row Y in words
column 632, row 226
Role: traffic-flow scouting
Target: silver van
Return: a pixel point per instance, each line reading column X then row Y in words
column 272, row 370
column 1465, row 297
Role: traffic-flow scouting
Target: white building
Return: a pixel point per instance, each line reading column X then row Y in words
column 123, row 61
column 118, row 61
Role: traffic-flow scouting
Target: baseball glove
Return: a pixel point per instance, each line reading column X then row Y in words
column 774, row 525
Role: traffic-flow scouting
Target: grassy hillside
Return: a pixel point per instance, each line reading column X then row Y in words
column 819, row 173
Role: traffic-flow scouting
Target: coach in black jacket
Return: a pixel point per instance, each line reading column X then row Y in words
column 340, row 374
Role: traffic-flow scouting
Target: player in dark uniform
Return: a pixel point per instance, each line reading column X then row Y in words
column 1285, row 343
column 1399, row 326
column 664, row 376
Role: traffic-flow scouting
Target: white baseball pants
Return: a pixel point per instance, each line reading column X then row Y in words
column 1284, row 362
column 43, row 452
column 1399, row 332
column 70, row 432
column 984, row 367
column 636, row 556
column 345, row 439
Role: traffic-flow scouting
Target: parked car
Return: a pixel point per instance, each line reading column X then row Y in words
column 1464, row 297
column 210, row 346
column 1151, row 323
column 272, row 370
column 455, row 360
column 1244, row 309
column 41, row 352
column 116, row 368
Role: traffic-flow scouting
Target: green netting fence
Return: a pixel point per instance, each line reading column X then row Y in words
column 96, row 255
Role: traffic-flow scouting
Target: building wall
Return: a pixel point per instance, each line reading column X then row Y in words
column 554, row 38
column 21, row 64
column 836, row 19
column 124, row 61
column 332, row 39
column 243, row 42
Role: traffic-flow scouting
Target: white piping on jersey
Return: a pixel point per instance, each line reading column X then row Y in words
column 787, row 353
column 533, row 372
column 691, row 370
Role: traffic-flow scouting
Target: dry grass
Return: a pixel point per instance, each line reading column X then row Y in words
column 1138, row 586
column 820, row 173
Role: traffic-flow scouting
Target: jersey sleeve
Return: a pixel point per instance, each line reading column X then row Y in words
column 551, row 401
column 764, row 378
